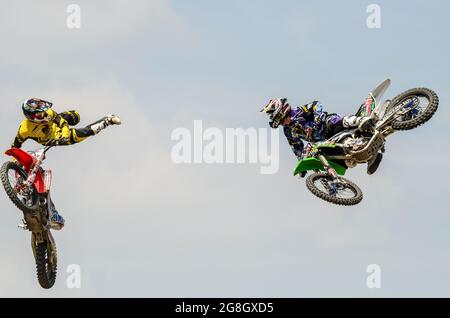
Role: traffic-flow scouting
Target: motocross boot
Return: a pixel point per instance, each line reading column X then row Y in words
column 362, row 123
column 56, row 221
column 105, row 122
column 366, row 123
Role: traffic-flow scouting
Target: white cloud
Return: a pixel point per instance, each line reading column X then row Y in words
column 35, row 32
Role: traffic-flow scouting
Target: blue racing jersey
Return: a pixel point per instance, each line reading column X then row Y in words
column 304, row 117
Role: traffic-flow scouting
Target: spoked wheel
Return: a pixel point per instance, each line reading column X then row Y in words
column 13, row 178
column 340, row 191
column 413, row 108
column 46, row 265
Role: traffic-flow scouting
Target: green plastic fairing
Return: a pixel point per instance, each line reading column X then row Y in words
column 315, row 164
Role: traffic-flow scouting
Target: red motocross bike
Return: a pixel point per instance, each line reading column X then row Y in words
column 28, row 187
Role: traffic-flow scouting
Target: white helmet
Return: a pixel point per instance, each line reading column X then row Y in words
column 278, row 109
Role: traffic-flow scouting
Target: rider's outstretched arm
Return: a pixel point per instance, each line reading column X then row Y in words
column 57, row 118
column 72, row 117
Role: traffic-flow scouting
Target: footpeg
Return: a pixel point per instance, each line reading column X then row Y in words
column 23, row 226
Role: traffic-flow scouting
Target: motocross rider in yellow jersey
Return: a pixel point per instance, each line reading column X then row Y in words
column 43, row 125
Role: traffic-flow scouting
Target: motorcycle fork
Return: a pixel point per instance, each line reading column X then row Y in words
column 327, row 167
column 33, row 172
column 333, row 185
column 32, row 176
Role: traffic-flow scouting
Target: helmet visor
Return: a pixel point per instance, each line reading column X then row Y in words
column 36, row 105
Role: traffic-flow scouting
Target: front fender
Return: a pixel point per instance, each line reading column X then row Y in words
column 23, row 157
column 26, row 160
column 315, row 164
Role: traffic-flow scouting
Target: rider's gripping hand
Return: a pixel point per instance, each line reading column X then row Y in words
column 63, row 141
column 306, row 150
column 58, row 142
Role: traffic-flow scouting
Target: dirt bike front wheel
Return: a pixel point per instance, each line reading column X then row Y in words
column 413, row 108
column 338, row 191
column 13, row 177
column 46, row 264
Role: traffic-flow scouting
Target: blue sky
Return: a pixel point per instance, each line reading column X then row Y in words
column 213, row 230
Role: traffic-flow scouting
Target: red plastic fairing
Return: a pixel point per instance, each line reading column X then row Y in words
column 26, row 160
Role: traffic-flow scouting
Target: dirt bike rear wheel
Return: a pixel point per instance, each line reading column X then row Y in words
column 325, row 187
column 418, row 114
column 11, row 173
column 46, row 265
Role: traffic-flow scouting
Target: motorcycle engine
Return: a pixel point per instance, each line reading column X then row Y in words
column 349, row 143
column 354, row 144
column 359, row 144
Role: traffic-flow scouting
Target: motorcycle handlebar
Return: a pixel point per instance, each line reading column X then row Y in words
column 55, row 142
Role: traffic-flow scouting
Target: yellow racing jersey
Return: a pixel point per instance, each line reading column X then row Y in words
column 56, row 128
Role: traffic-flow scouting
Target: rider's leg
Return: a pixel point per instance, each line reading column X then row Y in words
column 56, row 219
column 351, row 121
column 101, row 124
column 80, row 134
column 355, row 121
column 334, row 125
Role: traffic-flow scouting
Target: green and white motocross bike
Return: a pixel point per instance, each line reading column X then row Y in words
column 330, row 159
